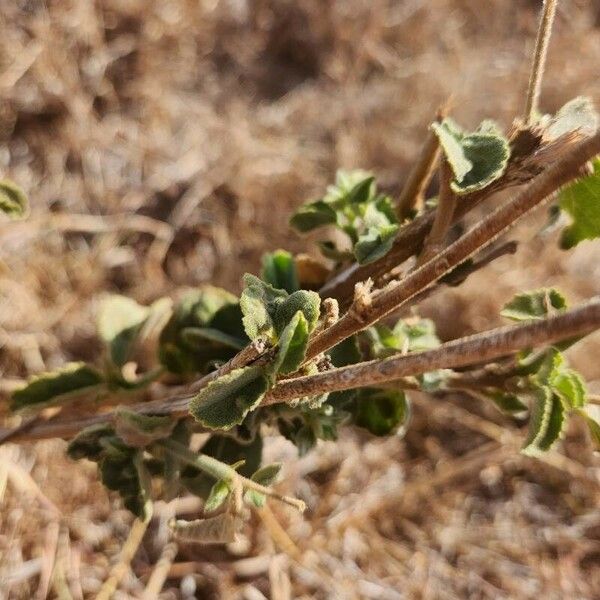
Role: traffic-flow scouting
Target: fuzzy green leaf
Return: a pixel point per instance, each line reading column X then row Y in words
column 139, row 430
column 209, row 307
column 375, row 243
column 507, row 403
column 13, row 201
column 477, row 159
column 308, row 303
column 570, row 387
column 292, row 345
column 214, row 530
column 312, row 216
column 545, row 423
column 362, row 191
column 534, row 305
column 259, row 302
column 218, row 494
column 196, row 338
column 225, row 402
column 279, row 270
column 88, row 442
column 581, row 201
column 381, row 411
column 55, row 387
column 265, row 476
column 119, row 322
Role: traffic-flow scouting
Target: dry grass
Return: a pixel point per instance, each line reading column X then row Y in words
column 163, row 143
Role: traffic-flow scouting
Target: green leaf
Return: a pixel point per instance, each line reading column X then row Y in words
column 534, row 305
column 362, row 192
column 87, row 443
column 214, row 530
column 209, row 307
column 259, row 302
column 196, row 337
column 576, row 115
column 265, row 476
column 593, row 427
column 307, row 302
column 312, row 216
column 570, row 387
column 138, row 430
column 506, row 402
column 55, row 387
column 292, row 345
column 13, row 201
column 416, row 334
column 225, row 402
column 381, row 411
column 477, row 159
column 279, row 270
column 545, row 423
column 119, row 322
column 581, row 201
column 218, row 494
column 375, row 243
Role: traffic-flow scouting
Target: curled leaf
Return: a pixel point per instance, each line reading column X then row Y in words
column 225, row 402
column 119, row 322
column 139, row 430
column 545, row 423
column 576, row 115
column 55, row 387
column 477, row 159
column 292, row 345
column 259, row 302
column 307, row 302
column 214, row 530
column 13, row 201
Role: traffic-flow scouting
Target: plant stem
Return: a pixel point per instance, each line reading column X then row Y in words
column 219, row 470
column 465, row 351
column 480, row 236
column 420, row 174
column 444, row 215
column 539, row 60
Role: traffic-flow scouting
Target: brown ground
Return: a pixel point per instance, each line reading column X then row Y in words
column 185, row 131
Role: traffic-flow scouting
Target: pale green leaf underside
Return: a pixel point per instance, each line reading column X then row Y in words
column 576, row 115
column 218, row 494
column 292, row 345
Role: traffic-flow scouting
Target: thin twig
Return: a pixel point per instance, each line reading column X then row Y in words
column 480, row 236
column 161, row 572
column 138, row 529
column 444, row 216
column 539, row 60
column 465, row 351
column 421, row 172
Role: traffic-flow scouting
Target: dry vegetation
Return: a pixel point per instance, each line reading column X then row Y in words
column 163, row 144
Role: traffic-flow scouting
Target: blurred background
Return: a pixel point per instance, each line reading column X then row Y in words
column 164, row 144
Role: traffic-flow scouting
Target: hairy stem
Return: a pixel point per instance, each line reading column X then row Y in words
column 539, row 60
column 465, row 351
column 421, row 173
column 219, row 470
column 480, row 236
